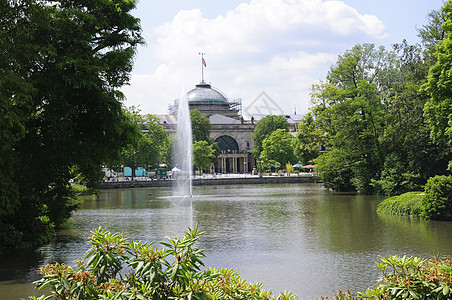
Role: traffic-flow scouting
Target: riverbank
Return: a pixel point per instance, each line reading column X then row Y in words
column 212, row 180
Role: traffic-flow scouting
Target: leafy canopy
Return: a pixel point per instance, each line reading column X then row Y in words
column 61, row 66
column 264, row 128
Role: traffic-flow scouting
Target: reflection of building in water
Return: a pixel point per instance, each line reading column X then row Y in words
column 233, row 134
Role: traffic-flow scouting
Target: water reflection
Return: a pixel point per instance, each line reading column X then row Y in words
column 296, row 237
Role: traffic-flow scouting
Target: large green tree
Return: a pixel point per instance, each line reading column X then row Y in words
column 62, row 64
column 200, row 126
column 308, row 140
column 201, row 129
column 203, row 153
column 438, row 109
column 278, row 149
column 349, row 108
column 155, row 142
column 432, row 33
column 151, row 147
column 266, row 126
column 371, row 112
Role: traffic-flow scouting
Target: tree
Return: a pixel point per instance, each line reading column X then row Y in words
column 411, row 156
column 278, row 148
column 349, row 109
column 150, row 148
column 155, row 142
column 64, row 64
column 264, row 128
column 308, row 140
column 203, row 153
column 200, row 126
column 432, row 33
column 438, row 109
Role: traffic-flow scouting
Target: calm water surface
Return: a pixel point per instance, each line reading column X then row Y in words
column 297, row 237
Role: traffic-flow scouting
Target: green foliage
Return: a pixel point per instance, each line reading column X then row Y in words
column 61, row 69
column 151, row 148
column 200, row 126
column 371, row 110
column 336, row 170
column 289, row 168
column 432, row 33
column 266, row 126
column 406, row 204
column 438, row 109
column 408, row 278
column 437, row 201
column 395, row 178
column 349, row 110
column 278, row 147
column 203, row 153
column 308, row 140
column 116, row 268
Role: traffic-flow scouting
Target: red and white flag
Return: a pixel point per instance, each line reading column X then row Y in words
column 204, row 62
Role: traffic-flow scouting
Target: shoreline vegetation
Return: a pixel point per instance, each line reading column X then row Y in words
column 434, row 203
column 118, row 268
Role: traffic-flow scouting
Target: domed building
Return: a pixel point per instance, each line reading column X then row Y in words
column 233, row 134
column 210, row 101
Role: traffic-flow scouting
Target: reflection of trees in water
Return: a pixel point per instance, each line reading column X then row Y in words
column 420, row 236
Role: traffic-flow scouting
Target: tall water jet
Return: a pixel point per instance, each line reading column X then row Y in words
column 183, row 153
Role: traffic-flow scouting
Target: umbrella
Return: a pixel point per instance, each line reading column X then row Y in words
column 309, row 166
column 297, row 166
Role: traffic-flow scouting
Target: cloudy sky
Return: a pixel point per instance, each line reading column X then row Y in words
column 279, row 47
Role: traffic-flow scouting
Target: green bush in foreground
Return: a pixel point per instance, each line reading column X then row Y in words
column 408, row 278
column 116, row 268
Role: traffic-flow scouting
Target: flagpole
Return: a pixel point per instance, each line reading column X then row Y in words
column 202, row 65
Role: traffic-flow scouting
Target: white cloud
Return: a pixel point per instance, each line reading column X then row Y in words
column 277, row 46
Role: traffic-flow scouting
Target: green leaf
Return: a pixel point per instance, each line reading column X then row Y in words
column 446, row 290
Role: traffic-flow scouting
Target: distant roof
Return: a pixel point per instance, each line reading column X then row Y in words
column 223, row 120
column 295, row 118
column 167, row 119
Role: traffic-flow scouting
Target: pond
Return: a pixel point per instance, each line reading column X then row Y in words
column 298, row 237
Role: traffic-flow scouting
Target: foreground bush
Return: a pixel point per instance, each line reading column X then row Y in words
column 408, row 278
column 116, row 268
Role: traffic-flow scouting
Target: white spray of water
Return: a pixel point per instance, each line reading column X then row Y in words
column 183, row 152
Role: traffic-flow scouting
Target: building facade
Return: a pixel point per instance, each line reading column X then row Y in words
column 233, row 134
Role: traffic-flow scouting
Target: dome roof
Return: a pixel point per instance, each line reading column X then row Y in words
column 205, row 93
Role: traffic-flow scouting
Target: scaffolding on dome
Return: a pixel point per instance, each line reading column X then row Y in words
column 232, row 105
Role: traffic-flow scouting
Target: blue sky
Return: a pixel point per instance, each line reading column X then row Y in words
column 280, row 47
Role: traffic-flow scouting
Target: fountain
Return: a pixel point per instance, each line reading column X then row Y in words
column 183, row 152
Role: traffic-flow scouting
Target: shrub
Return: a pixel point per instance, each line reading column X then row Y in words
column 405, row 204
column 118, row 269
column 408, row 278
column 437, row 201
